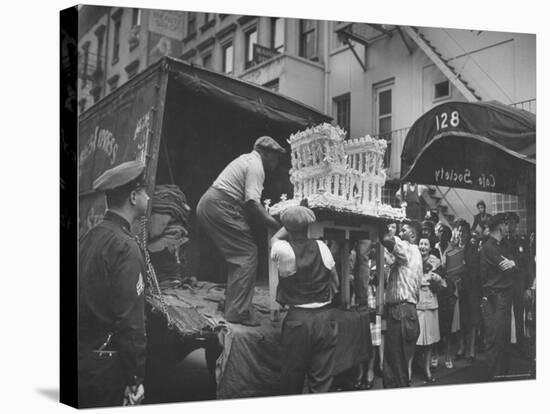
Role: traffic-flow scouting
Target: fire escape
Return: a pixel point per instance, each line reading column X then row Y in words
column 357, row 33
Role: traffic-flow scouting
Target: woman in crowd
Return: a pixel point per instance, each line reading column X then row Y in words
column 455, row 269
column 471, row 289
column 446, row 298
column 427, row 307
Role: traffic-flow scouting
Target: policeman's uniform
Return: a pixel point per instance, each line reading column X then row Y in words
column 111, row 319
column 497, row 287
column 514, row 249
column 310, row 329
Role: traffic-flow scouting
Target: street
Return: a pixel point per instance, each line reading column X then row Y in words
column 189, row 380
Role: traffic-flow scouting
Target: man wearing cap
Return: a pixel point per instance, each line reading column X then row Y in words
column 111, row 319
column 497, row 278
column 307, row 284
column 401, row 297
column 225, row 213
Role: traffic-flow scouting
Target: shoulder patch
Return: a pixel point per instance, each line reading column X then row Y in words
column 140, row 286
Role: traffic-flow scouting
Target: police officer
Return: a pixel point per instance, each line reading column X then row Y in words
column 111, row 319
column 497, row 278
column 515, row 249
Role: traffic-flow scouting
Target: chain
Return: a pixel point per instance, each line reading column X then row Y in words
column 151, row 275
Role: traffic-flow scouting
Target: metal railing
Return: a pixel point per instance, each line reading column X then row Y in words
column 528, row 105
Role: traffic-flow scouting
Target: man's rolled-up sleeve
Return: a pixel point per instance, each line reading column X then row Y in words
column 400, row 251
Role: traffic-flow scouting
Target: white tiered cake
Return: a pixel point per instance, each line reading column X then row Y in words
column 340, row 175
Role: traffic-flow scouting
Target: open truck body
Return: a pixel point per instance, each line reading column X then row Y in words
column 187, row 123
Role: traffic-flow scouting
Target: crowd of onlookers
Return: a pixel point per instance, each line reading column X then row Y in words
column 450, row 300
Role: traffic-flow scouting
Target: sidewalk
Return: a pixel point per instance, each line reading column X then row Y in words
column 464, row 372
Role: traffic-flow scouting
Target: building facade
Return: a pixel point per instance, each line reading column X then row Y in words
column 373, row 79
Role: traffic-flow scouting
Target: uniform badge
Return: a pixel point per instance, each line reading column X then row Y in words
column 139, row 285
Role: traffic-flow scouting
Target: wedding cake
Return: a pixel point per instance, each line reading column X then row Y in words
column 340, row 175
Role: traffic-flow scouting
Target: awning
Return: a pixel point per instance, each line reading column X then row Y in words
column 485, row 146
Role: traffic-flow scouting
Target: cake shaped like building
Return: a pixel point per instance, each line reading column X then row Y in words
column 336, row 174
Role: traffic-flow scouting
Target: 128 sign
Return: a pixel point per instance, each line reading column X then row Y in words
column 444, row 120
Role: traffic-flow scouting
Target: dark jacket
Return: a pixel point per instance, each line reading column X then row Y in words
column 111, row 294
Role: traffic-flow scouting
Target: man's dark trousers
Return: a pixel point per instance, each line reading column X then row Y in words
column 309, row 343
column 402, row 330
column 497, row 313
column 519, row 307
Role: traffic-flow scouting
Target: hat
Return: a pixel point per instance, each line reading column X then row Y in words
column 268, row 143
column 493, row 221
column 119, row 176
column 296, row 218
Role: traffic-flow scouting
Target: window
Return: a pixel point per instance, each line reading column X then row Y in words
column 251, row 38
column 208, row 17
column 136, row 17
column 100, row 32
column 442, row 90
column 85, row 58
column 506, row 202
column 388, row 195
column 383, row 116
column 278, row 34
column 82, row 104
column 191, row 24
column 337, row 38
column 96, row 93
column 116, row 41
column 273, row 85
column 113, row 82
column 308, row 39
column 342, row 112
column 207, row 60
column 132, row 68
column 228, row 58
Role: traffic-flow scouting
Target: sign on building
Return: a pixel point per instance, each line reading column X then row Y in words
column 167, row 23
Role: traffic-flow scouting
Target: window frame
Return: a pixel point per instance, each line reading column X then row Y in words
column 248, row 47
column 226, row 45
column 442, row 97
column 273, row 28
column 136, row 21
column 302, row 38
column 191, row 18
column 344, row 98
column 117, row 25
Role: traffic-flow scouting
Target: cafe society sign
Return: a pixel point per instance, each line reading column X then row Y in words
column 465, row 178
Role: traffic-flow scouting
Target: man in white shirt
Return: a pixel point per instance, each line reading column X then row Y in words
column 224, row 212
column 307, row 284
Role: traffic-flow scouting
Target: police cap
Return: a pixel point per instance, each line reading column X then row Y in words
column 495, row 220
column 119, row 176
column 268, row 143
column 512, row 216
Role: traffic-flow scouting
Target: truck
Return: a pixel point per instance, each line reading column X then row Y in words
column 187, row 123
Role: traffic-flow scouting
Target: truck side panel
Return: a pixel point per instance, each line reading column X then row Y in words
column 123, row 130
